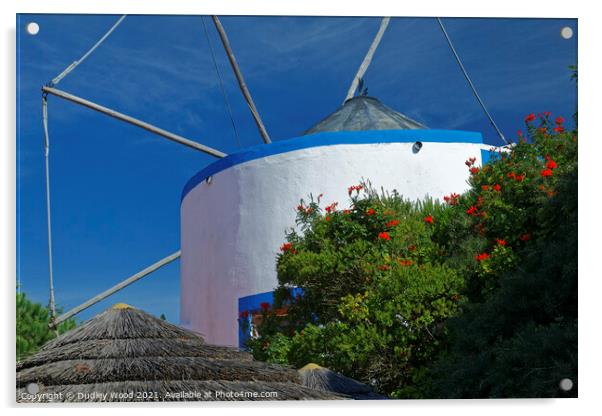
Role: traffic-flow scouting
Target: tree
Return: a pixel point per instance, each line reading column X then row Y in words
column 32, row 326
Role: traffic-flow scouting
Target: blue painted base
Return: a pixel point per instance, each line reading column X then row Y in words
column 252, row 305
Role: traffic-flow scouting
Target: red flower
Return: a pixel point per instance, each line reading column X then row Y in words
column 384, row 236
column 558, row 129
column 355, row 188
column 551, row 164
column 384, row 267
column 330, row 208
column 346, row 211
column 474, row 170
column 501, row 242
column 428, row 219
column 512, row 175
column 370, row 211
column 452, row 199
column 412, row 247
column 286, row 247
column 519, row 178
column 530, row 117
column 525, row 237
column 546, row 172
column 520, row 133
column 471, row 210
column 497, row 187
column 264, row 306
column 485, row 187
column 405, row 262
column 482, row 256
column 471, row 161
column 559, row 120
column 392, row 223
column 244, row 314
column 300, row 208
column 547, row 113
column 328, row 218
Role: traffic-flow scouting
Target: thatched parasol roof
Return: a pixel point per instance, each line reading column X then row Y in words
column 125, row 354
column 320, row 378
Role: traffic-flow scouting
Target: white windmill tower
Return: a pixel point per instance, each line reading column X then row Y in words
column 235, row 211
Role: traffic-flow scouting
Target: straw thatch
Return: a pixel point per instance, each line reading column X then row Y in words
column 320, row 378
column 125, row 354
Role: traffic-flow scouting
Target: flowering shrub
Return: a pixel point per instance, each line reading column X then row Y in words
column 517, row 335
column 385, row 280
column 376, row 289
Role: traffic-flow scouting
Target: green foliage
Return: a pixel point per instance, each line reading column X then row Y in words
column 387, row 334
column 520, row 339
column 274, row 350
column 473, row 297
column 32, row 326
column 376, row 290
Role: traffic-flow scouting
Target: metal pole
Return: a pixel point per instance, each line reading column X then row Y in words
column 51, row 302
column 116, row 288
column 131, row 120
column 74, row 65
column 241, row 81
column 368, row 58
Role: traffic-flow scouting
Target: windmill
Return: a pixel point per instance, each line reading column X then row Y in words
column 235, row 210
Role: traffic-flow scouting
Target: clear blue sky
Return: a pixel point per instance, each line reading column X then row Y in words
column 116, row 188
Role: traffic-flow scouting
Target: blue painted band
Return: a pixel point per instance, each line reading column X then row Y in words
column 330, row 139
column 488, row 156
column 484, row 156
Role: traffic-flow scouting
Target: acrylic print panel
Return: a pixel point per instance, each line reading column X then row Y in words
column 286, row 208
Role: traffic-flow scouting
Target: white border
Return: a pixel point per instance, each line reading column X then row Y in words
column 589, row 213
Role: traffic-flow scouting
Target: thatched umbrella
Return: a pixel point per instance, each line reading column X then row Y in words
column 125, row 354
column 320, row 378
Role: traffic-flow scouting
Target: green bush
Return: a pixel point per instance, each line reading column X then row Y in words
column 412, row 297
column 376, row 290
column 517, row 337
